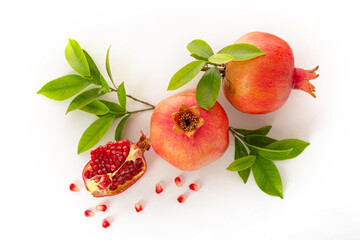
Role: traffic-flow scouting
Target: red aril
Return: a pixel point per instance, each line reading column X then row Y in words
column 138, row 207
column 113, row 168
column 178, row 181
column 182, row 198
column 158, row 188
column 102, row 207
column 74, row 188
column 194, row 187
column 105, row 223
column 89, row 213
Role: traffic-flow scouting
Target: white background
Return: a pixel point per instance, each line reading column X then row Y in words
column 149, row 38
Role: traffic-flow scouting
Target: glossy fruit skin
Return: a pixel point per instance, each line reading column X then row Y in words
column 263, row 84
column 208, row 144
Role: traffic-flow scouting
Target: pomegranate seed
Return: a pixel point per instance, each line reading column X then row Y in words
column 102, row 207
column 181, row 198
column 194, row 187
column 74, row 188
column 105, row 223
column 178, row 181
column 138, row 207
column 89, row 213
column 158, row 188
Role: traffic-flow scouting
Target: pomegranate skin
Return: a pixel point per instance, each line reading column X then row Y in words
column 263, row 84
column 208, row 144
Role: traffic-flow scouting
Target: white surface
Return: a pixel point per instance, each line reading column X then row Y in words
column 149, row 38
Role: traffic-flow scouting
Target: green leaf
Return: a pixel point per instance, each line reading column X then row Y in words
column 296, row 145
column 220, row 58
column 120, row 128
column 267, row 177
column 105, row 86
column 242, row 51
column 76, row 58
column 242, row 163
column 64, row 87
column 261, row 131
column 258, row 140
column 185, row 74
column 108, row 66
column 240, row 151
column 113, row 107
column 269, row 153
column 244, row 174
column 95, row 107
column 83, row 99
column 95, row 132
column 200, row 48
column 208, row 88
column 198, row 57
column 121, row 94
column 94, row 71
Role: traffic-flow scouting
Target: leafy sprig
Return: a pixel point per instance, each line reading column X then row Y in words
column 89, row 100
column 208, row 88
column 255, row 152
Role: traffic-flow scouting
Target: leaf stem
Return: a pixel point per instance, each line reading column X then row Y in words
column 141, row 110
column 221, row 69
column 135, row 99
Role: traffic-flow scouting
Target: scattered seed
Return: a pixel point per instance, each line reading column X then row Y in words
column 194, row 187
column 105, row 223
column 182, row 198
column 158, row 188
column 89, row 213
column 178, row 181
column 138, row 207
column 101, row 207
column 74, row 188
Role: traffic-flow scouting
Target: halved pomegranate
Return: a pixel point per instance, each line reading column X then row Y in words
column 113, row 168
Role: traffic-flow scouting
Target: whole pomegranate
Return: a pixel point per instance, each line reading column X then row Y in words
column 113, row 168
column 187, row 136
column 263, row 84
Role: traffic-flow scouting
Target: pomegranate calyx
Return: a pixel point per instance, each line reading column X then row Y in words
column 187, row 120
column 301, row 80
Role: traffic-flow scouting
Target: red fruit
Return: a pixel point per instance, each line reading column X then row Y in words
column 138, row 207
column 194, row 187
column 181, row 198
column 187, row 136
column 101, row 207
column 109, row 172
column 74, row 188
column 178, row 181
column 158, row 188
column 89, row 213
column 105, row 223
column 263, row 84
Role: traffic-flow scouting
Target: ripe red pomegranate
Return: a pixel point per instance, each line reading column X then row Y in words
column 263, row 84
column 187, row 136
column 113, row 168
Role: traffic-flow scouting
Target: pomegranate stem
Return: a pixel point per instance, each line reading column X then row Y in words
column 135, row 99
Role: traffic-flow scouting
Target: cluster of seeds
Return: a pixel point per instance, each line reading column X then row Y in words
column 110, row 160
column 102, row 208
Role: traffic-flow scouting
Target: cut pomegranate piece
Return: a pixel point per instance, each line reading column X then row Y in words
column 138, row 207
column 113, row 168
column 102, row 207
column 105, row 223
column 194, row 187
column 158, row 188
column 89, row 213
column 182, row 198
column 74, row 188
column 178, row 181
